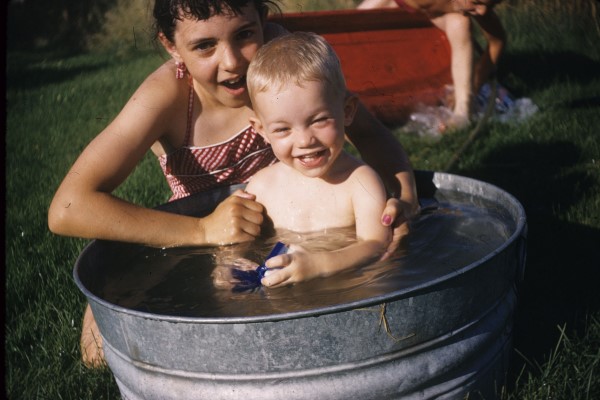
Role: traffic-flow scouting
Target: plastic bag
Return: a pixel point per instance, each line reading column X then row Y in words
column 432, row 121
column 507, row 109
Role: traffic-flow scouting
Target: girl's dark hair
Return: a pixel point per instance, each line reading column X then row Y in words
column 167, row 12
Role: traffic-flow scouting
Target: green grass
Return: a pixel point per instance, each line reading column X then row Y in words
column 551, row 163
column 55, row 107
column 570, row 371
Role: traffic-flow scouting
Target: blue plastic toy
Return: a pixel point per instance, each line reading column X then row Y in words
column 250, row 280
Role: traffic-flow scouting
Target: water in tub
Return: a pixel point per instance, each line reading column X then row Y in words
column 452, row 232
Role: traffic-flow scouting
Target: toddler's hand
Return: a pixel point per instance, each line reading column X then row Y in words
column 297, row 265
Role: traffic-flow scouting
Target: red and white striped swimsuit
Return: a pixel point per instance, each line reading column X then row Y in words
column 192, row 169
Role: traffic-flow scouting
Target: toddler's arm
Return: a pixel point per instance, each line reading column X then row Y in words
column 384, row 153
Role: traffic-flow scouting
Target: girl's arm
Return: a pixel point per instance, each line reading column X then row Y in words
column 84, row 206
column 368, row 198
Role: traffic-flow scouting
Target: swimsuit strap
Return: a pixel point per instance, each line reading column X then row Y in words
column 188, row 128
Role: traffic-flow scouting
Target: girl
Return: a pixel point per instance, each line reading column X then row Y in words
column 193, row 113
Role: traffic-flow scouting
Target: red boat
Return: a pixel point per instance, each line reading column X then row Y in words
column 392, row 59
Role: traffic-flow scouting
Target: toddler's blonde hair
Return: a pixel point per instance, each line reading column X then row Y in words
column 295, row 58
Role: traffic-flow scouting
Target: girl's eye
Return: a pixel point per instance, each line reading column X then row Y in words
column 245, row 34
column 205, row 46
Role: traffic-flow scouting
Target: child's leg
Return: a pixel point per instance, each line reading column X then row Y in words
column 458, row 30
column 92, row 354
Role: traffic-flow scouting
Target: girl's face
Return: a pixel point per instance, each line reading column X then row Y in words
column 216, row 53
column 304, row 125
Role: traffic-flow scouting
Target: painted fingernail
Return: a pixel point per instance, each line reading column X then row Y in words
column 387, row 219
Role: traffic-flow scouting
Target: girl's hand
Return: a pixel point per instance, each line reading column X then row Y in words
column 397, row 214
column 297, row 265
column 222, row 274
column 237, row 219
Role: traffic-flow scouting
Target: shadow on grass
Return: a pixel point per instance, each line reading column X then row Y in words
column 562, row 271
column 28, row 70
column 539, row 70
column 588, row 102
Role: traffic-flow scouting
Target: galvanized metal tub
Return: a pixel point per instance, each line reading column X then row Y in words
column 444, row 338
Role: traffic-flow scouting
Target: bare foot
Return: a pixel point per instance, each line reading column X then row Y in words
column 92, row 354
column 455, row 123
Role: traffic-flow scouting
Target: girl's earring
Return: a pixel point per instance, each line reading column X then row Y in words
column 181, row 70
